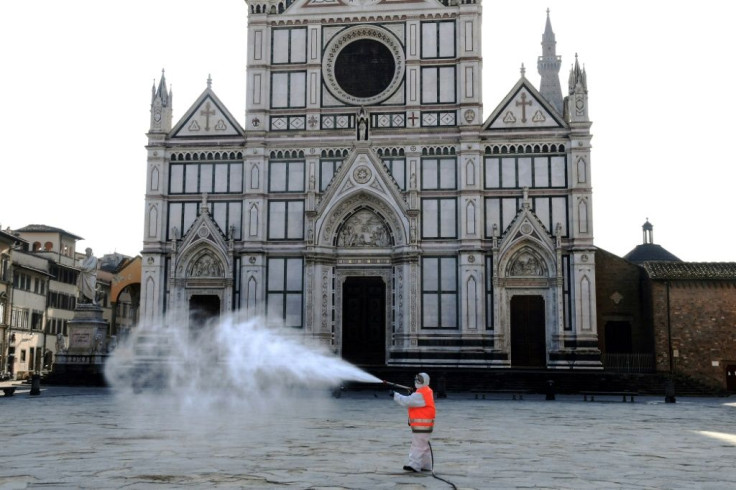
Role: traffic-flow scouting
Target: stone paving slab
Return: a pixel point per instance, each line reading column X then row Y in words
column 94, row 438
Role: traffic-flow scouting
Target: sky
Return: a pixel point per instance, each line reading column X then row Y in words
column 76, row 78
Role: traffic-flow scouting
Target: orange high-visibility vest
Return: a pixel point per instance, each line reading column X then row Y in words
column 421, row 419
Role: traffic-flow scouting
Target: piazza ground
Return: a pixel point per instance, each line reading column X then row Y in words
column 97, row 438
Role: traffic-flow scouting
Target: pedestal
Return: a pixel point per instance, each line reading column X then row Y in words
column 83, row 362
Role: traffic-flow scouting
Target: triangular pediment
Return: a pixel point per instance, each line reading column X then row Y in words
column 362, row 182
column 524, row 108
column 526, row 227
column 203, row 251
column 527, row 248
column 362, row 170
column 207, row 118
column 204, row 229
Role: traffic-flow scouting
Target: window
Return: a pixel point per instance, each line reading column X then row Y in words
column 289, row 45
column 397, row 167
column 225, row 213
column 439, row 218
column 36, row 320
column 63, row 274
column 439, row 173
column 285, row 220
column 438, row 39
column 289, row 89
column 284, row 290
column 54, row 326
column 286, row 176
column 212, row 178
column 438, row 85
column 439, row 292
column 549, row 209
column 61, row 301
column 19, row 318
column 514, row 172
column 327, row 170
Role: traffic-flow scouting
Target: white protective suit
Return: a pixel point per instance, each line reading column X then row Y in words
column 420, row 455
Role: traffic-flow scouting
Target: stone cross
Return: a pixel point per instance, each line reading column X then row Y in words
column 523, row 105
column 211, row 112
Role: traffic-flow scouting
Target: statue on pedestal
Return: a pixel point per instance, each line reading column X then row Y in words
column 87, row 280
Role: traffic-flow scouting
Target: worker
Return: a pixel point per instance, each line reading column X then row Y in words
column 421, row 420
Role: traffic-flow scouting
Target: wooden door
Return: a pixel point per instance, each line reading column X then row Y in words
column 364, row 321
column 528, row 338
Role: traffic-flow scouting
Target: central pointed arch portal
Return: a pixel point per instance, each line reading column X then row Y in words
column 367, row 232
column 363, row 313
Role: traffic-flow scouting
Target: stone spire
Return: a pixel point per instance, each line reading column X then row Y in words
column 161, row 100
column 548, row 66
column 577, row 81
column 577, row 101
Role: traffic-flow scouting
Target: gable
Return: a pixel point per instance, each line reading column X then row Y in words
column 207, row 117
column 524, row 108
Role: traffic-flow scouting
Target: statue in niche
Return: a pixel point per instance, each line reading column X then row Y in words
column 206, row 266
column 364, row 229
column 362, row 125
column 527, row 264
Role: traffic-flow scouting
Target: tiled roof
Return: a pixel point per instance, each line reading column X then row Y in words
column 46, row 229
column 649, row 251
column 11, row 237
column 711, row 271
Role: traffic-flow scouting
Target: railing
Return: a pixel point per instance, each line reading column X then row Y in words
column 629, row 363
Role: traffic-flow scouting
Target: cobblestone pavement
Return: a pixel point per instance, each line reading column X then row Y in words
column 94, row 438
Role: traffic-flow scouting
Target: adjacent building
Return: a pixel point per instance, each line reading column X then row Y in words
column 39, row 266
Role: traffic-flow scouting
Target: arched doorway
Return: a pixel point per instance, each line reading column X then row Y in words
column 364, row 320
column 528, row 339
column 203, row 309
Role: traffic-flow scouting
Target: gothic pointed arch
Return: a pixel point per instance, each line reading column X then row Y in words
column 205, row 263
column 369, row 210
column 527, row 261
column 203, row 252
column 364, row 228
column 527, row 249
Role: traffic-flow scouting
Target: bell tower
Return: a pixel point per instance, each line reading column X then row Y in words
column 548, row 66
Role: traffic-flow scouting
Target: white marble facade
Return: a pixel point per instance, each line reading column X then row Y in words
column 368, row 203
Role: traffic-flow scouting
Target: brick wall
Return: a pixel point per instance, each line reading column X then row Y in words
column 702, row 320
column 620, row 298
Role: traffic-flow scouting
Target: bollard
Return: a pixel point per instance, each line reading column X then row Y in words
column 442, row 387
column 669, row 391
column 550, row 393
column 35, row 384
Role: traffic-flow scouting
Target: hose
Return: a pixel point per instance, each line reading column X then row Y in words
column 431, row 453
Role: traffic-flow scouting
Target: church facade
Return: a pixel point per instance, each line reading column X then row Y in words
column 367, row 201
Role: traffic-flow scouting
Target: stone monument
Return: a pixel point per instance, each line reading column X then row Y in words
column 83, row 360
